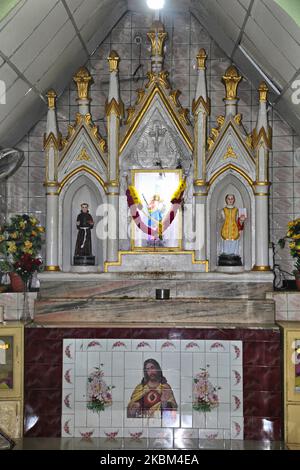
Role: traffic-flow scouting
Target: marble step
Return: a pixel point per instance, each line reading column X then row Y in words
column 177, row 312
column 145, row 288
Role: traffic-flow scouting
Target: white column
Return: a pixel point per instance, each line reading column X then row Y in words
column 261, row 228
column 200, row 195
column 113, row 223
column 52, row 228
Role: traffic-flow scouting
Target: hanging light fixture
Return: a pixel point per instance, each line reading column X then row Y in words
column 155, row 4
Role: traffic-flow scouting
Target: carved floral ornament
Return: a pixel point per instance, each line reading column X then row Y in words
column 231, row 79
column 83, row 79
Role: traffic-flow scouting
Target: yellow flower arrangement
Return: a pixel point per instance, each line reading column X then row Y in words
column 293, row 237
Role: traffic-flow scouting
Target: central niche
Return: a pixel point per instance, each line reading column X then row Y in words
column 156, row 188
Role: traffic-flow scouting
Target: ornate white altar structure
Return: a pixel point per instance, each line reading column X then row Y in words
column 157, row 136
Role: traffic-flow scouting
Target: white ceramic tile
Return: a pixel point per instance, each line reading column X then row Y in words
column 133, row 360
column 80, row 413
column 212, row 364
column 106, row 417
column 236, row 352
column 223, row 391
column 170, row 419
column 68, row 351
column 186, row 360
column 161, row 433
column 93, row 361
column 132, row 379
column 136, row 433
column 81, row 389
column 211, row 434
column 95, row 344
column 224, row 415
column 118, row 363
column 173, row 378
column 212, row 419
column 119, row 345
column 224, row 365
column 86, row 433
column 68, row 376
column 92, row 419
column 237, row 428
column 67, row 425
column 117, row 414
column 198, row 419
column 68, row 402
column 192, row 346
column 170, row 360
column 216, row 346
column 237, row 377
column 167, row 345
column 79, row 344
column 186, row 389
column 199, row 363
column 111, row 435
column 237, row 403
column 133, row 422
column 152, row 422
column 181, row 434
column 105, row 362
column 118, row 390
column 81, row 364
column 151, row 355
column 186, row 412
column 143, row 345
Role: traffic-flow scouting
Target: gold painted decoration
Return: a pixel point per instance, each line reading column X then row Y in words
column 205, row 104
column 51, row 95
column 201, row 59
column 230, row 153
column 113, row 60
column 262, row 135
column 249, row 141
column 52, row 140
column 81, row 120
column 231, row 79
column 83, row 80
column 183, row 114
column 263, row 92
column 238, row 119
column 130, row 114
column 113, row 107
column 83, row 156
column 140, row 95
column 174, row 95
column 215, row 131
column 157, row 36
column 161, row 78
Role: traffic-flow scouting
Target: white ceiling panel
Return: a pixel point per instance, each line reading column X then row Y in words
column 271, row 57
column 40, row 37
column 74, row 4
column 285, row 20
column 223, row 21
column 245, row 3
column 17, row 122
column 18, row 29
column 7, row 75
column 13, row 96
column 87, row 10
column 234, row 11
column 50, row 54
column 277, row 34
column 73, row 57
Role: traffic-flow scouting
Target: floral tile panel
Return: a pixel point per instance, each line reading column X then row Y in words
column 151, row 389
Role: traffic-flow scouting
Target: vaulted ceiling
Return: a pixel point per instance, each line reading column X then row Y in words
column 43, row 42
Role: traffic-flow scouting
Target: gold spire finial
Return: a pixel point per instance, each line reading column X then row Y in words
column 157, row 36
column 113, row 60
column 82, row 80
column 201, row 59
column 51, row 95
column 231, row 79
column 263, row 91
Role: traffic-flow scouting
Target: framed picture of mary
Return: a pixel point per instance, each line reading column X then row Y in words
column 163, row 230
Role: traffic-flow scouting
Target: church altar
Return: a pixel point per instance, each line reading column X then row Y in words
column 164, row 192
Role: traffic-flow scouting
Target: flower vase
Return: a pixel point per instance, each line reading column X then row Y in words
column 17, row 283
column 25, row 316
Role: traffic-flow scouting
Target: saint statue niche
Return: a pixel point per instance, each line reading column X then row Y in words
column 233, row 225
column 83, row 249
